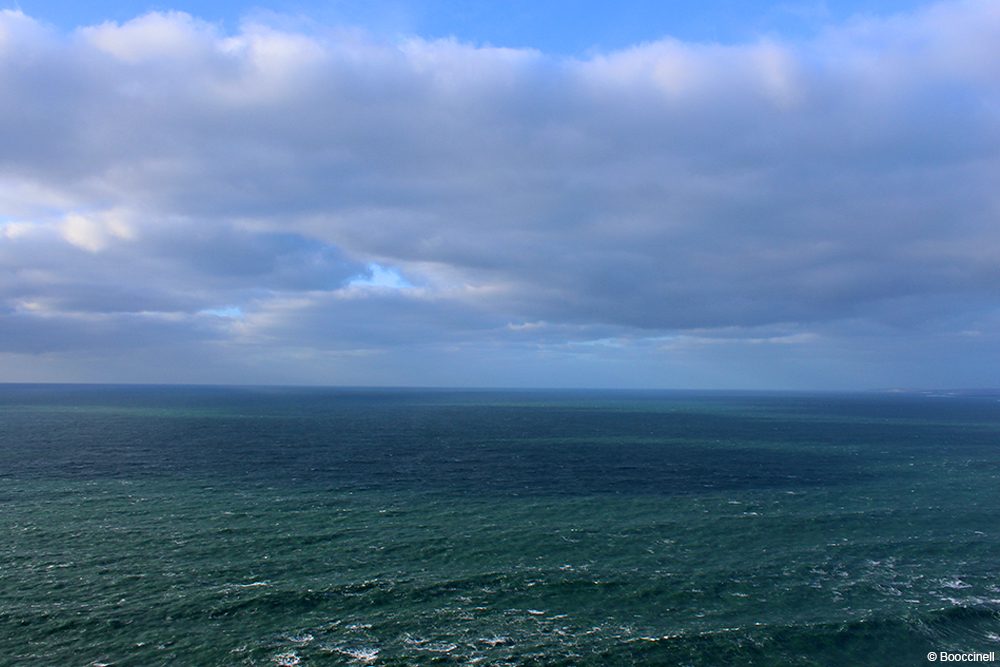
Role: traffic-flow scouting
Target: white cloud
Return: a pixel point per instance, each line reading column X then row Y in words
column 151, row 37
column 95, row 231
column 164, row 167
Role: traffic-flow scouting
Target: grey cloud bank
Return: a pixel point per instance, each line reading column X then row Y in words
column 181, row 204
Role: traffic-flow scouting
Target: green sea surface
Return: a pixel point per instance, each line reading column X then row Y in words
column 260, row 526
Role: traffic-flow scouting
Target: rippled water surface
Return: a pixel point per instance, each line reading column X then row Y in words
column 239, row 526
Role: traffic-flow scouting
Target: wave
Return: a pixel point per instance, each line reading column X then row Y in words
column 885, row 641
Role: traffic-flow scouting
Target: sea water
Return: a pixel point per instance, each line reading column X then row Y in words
column 261, row 526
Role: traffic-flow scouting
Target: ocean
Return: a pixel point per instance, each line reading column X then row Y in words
column 150, row 525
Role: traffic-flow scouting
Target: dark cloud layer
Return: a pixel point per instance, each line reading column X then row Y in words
column 765, row 214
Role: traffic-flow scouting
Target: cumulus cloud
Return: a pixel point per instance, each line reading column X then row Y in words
column 702, row 205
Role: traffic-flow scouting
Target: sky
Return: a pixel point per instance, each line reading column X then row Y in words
column 714, row 195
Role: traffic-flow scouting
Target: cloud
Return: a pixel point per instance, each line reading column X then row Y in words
column 800, row 193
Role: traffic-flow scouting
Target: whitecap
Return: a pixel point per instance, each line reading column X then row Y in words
column 494, row 641
column 440, row 648
column 428, row 645
column 361, row 654
column 359, row 626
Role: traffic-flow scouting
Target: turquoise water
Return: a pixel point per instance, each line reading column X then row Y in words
column 238, row 526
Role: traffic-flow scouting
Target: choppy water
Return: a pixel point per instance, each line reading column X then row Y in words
column 224, row 526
